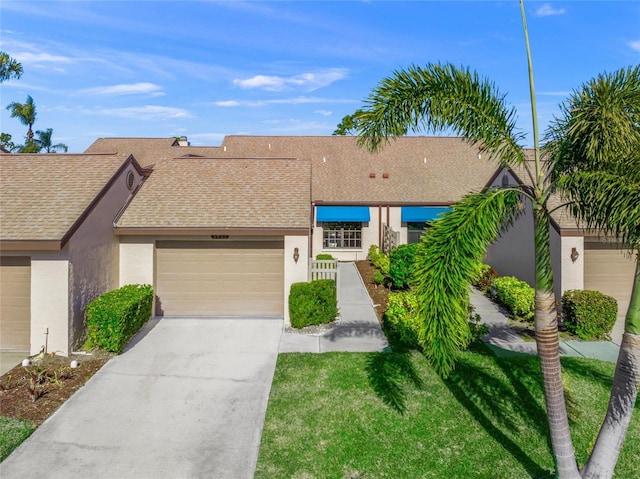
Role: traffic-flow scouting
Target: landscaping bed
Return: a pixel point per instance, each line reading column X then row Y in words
column 379, row 294
column 34, row 392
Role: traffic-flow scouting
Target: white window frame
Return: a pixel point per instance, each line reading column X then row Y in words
column 342, row 235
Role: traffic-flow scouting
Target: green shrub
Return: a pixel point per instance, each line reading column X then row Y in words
column 379, row 259
column 516, row 295
column 589, row 314
column 313, row 303
column 484, row 278
column 401, row 265
column 114, row 317
column 377, row 277
column 401, row 316
column 324, row 256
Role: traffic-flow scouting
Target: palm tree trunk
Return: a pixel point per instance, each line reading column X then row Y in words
column 548, row 344
column 624, row 391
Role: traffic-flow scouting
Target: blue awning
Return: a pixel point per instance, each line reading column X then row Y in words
column 422, row 214
column 343, row 213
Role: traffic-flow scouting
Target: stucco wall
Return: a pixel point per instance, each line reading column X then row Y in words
column 571, row 274
column 93, row 255
column 294, row 272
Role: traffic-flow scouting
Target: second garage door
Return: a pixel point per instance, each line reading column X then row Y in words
column 15, row 304
column 199, row 278
column 608, row 270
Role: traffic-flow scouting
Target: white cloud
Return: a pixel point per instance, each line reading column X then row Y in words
column 227, row 103
column 324, row 112
column 147, row 112
column 307, row 81
column 30, row 58
column 125, row 89
column 563, row 94
column 547, row 10
column 299, row 100
column 635, row 45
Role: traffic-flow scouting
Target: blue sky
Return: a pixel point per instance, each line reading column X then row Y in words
column 206, row 69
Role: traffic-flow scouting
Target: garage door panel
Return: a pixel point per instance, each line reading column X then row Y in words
column 15, row 303
column 610, row 271
column 223, row 279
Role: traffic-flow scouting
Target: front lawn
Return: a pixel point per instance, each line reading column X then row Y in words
column 12, row 433
column 388, row 415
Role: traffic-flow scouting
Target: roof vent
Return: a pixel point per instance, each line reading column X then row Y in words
column 505, row 180
column 372, row 175
column 385, row 175
column 131, row 178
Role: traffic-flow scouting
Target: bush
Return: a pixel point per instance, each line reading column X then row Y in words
column 313, row 303
column 324, row 256
column 589, row 314
column 516, row 295
column 379, row 259
column 114, row 317
column 401, row 265
column 485, row 277
column 401, row 317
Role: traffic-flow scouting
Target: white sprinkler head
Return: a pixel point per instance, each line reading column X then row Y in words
column 26, row 362
column 74, row 364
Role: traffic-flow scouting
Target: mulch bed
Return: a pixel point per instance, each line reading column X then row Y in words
column 34, row 392
column 378, row 293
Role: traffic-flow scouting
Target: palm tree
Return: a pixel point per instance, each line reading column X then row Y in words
column 596, row 148
column 44, row 141
column 442, row 97
column 9, row 67
column 26, row 113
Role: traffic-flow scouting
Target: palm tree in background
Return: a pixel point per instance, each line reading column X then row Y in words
column 44, row 142
column 10, row 68
column 26, row 113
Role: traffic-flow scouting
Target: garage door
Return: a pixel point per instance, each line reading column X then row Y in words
column 200, row 278
column 15, row 303
column 608, row 270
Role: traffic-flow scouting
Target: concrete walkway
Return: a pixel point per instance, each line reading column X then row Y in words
column 187, row 399
column 358, row 329
column 504, row 341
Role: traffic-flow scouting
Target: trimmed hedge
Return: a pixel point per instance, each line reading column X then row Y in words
column 516, row 295
column 324, row 256
column 401, row 316
column 401, row 266
column 114, row 317
column 589, row 314
column 313, row 303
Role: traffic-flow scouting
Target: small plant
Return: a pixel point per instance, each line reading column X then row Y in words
column 377, row 277
column 379, row 259
column 477, row 328
column 401, row 316
column 485, row 277
column 401, row 265
column 589, row 314
column 37, row 377
column 324, row 256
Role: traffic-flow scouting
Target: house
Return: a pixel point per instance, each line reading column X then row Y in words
column 57, row 246
column 225, row 231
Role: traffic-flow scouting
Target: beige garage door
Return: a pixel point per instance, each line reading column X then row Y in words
column 197, row 278
column 15, row 303
column 608, row 270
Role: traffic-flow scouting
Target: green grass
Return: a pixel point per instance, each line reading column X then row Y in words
column 12, row 433
column 388, row 415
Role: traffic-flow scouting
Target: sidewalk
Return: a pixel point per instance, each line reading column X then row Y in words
column 504, row 341
column 358, row 328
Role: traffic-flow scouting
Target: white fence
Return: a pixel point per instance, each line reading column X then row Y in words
column 325, row 269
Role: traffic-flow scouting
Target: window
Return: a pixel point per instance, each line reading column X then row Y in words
column 342, row 235
column 415, row 230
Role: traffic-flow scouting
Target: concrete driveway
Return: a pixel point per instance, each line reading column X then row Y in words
column 186, row 400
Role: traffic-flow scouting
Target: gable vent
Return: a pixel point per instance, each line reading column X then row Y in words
column 131, row 178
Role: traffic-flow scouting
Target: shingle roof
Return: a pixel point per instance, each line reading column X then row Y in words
column 223, row 193
column 149, row 150
column 41, row 196
column 418, row 169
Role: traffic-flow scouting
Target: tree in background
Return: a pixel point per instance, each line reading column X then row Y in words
column 44, row 143
column 26, row 113
column 348, row 125
column 6, row 142
column 10, row 68
column 595, row 145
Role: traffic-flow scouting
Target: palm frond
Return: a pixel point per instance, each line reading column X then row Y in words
column 606, row 202
column 437, row 98
column 449, row 256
